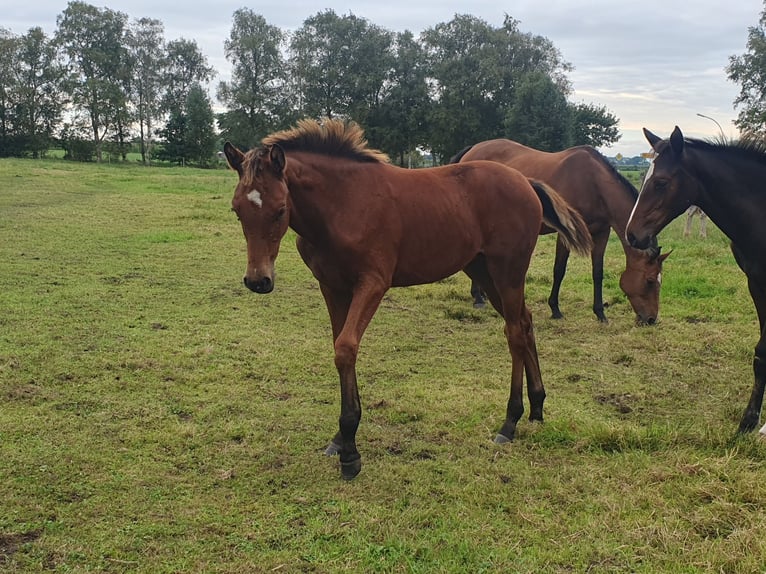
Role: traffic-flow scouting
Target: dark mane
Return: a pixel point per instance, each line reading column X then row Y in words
column 629, row 187
column 331, row 137
column 748, row 149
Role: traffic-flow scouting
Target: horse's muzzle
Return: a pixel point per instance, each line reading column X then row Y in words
column 262, row 285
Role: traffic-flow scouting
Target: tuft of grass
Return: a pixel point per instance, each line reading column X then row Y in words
column 157, row 417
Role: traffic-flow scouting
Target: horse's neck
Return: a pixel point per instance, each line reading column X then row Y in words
column 619, row 203
column 313, row 195
column 731, row 195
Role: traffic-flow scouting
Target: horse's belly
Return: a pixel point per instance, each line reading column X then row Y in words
column 433, row 259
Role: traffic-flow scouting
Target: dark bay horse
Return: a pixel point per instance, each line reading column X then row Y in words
column 604, row 198
column 728, row 182
column 364, row 226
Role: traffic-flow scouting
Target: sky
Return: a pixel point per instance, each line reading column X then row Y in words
column 651, row 63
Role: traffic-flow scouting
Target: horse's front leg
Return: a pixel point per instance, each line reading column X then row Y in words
column 756, row 283
column 359, row 310
column 752, row 415
column 597, row 274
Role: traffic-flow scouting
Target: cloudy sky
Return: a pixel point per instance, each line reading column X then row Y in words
column 652, row 63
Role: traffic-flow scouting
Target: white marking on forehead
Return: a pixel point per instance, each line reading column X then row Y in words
column 255, row 197
column 649, row 173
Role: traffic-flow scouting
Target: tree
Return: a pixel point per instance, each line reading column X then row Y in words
column 400, row 123
column 189, row 136
column 94, row 41
column 749, row 71
column 186, row 65
column 255, row 97
column 593, row 125
column 8, row 54
column 199, row 137
column 339, row 65
column 539, row 116
column 459, row 55
column 147, row 48
column 39, row 100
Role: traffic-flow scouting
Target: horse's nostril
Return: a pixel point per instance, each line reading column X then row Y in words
column 265, row 285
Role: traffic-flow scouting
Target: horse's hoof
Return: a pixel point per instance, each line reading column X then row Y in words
column 349, row 470
column 332, row 449
column 502, row 439
column 479, row 305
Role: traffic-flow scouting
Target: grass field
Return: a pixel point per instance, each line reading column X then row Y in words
column 157, row 417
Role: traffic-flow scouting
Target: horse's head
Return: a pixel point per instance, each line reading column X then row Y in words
column 260, row 202
column 668, row 190
column 641, row 282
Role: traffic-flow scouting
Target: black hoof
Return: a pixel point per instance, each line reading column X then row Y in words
column 747, row 426
column 332, row 449
column 349, row 470
column 502, row 439
column 557, row 315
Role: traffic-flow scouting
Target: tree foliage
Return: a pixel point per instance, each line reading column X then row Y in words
column 340, row 64
column 146, row 45
column 94, row 41
column 749, row 71
column 256, row 97
column 31, row 98
column 459, row 82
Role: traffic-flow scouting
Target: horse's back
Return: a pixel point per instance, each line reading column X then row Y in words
column 575, row 173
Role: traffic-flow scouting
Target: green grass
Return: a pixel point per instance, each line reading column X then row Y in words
column 155, row 416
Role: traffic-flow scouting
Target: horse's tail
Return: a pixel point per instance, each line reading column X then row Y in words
column 562, row 217
column 459, row 155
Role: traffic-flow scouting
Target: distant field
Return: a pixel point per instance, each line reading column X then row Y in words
column 158, row 417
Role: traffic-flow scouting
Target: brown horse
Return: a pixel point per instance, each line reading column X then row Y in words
column 604, row 198
column 726, row 181
column 364, row 226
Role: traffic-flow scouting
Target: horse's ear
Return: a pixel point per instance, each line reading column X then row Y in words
column 277, row 157
column 664, row 256
column 234, row 157
column 652, row 139
column 677, row 141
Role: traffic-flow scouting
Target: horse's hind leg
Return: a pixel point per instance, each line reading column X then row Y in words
column 519, row 332
column 478, row 295
column 559, row 270
column 520, row 335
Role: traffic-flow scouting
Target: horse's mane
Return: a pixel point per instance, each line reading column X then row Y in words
column 749, row 149
column 598, row 156
column 330, row 137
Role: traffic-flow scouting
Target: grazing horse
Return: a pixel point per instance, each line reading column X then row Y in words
column 726, row 180
column 364, row 226
column 604, row 198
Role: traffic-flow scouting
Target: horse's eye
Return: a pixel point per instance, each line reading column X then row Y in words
column 660, row 184
column 280, row 213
